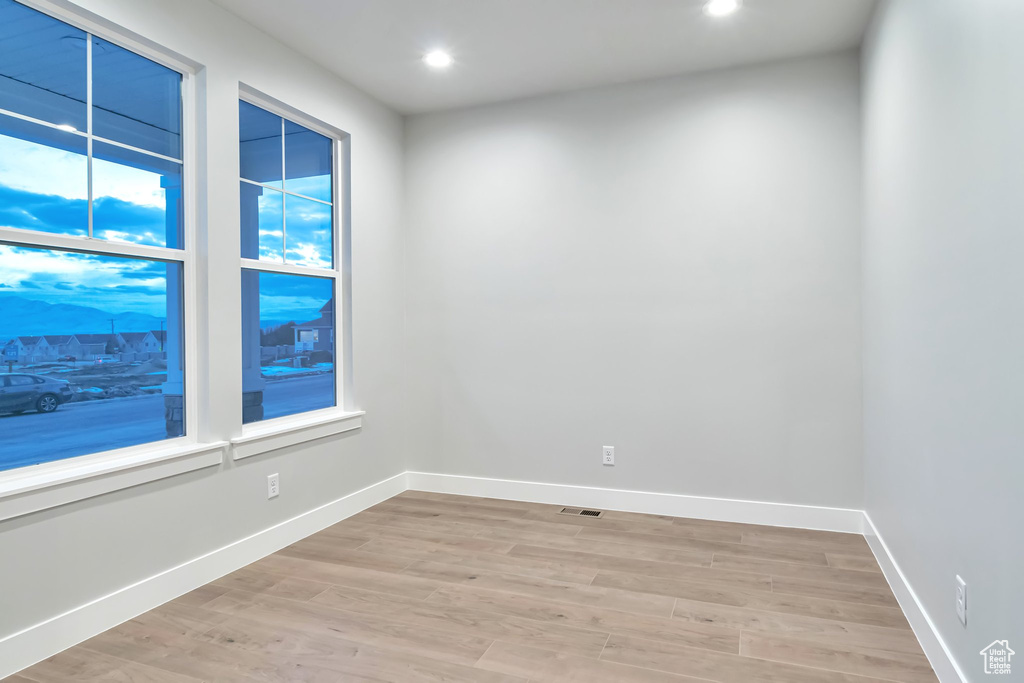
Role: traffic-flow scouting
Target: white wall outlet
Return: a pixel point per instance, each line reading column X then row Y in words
column 608, row 455
column 273, row 486
column 961, row 600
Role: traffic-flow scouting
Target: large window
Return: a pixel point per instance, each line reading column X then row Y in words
column 289, row 275
column 92, row 243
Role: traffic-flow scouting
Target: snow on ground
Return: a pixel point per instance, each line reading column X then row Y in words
column 284, row 371
column 272, row 371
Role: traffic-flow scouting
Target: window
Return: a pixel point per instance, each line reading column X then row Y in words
column 92, row 243
column 289, row 273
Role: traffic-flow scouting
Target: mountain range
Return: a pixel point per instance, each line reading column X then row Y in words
column 21, row 317
column 26, row 317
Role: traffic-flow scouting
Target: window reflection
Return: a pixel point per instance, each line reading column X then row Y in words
column 43, row 178
column 45, row 170
column 42, row 66
column 309, row 232
column 136, row 101
column 137, row 197
column 290, row 228
column 307, row 162
column 260, row 145
column 262, row 223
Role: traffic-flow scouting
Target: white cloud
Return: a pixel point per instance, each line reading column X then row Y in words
column 94, row 278
column 44, row 170
column 32, row 167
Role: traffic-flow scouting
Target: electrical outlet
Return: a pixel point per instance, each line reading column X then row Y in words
column 273, row 486
column 961, row 600
column 608, row 455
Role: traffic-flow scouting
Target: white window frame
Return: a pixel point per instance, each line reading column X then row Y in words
column 279, row 432
column 36, row 487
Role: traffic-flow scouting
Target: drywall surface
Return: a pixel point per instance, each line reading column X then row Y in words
column 56, row 560
column 671, row 268
column 944, row 309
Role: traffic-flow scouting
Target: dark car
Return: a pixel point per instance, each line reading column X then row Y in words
column 19, row 393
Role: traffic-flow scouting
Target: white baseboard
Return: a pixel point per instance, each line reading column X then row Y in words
column 36, row 643
column 924, row 628
column 26, row 647
column 722, row 509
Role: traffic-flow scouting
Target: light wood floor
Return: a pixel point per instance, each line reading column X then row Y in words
column 428, row 587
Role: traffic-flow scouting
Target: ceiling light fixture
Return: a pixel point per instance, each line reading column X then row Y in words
column 721, row 8
column 438, row 59
column 67, row 127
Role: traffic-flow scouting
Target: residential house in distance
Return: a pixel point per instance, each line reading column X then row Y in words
column 133, row 342
column 89, row 346
column 143, row 345
column 57, row 345
column 318, row 334
column 29, row 349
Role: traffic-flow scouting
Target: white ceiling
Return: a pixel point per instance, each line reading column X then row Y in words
column 507, row 49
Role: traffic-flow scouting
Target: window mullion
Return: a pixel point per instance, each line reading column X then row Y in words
column 284, row 200
column 88, row 124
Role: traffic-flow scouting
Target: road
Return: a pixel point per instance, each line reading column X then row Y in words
column 93, row 426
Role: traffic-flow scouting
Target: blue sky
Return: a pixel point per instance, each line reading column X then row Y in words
column 108, row 283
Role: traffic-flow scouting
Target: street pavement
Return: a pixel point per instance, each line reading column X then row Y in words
column 79, row 428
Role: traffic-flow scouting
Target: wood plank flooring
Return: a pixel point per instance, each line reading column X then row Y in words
column 429, row 587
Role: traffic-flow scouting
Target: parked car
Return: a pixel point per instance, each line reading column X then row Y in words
column 19, row 393
column 66, row 359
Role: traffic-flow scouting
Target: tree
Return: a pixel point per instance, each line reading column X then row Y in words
column 282, row 335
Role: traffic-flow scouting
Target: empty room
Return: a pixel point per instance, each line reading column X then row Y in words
column 511, row 341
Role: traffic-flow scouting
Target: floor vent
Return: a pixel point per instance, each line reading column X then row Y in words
column 580, row 512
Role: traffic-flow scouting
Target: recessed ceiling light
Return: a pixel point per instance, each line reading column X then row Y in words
column 67, row 128
column 438, row 59
column 721, row 8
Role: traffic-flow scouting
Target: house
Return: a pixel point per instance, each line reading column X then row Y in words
column 89, row 346
column 57, row 345
column 142, row 345
column 318, row 334
column 30, row 349
column 156, row 341
column 134, row 342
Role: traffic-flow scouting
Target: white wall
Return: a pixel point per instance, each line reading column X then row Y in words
column 56, row 560
column 944, row 309
column 670, row 267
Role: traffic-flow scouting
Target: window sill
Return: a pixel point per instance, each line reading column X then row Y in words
column 282, row 432
column 39, row 487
